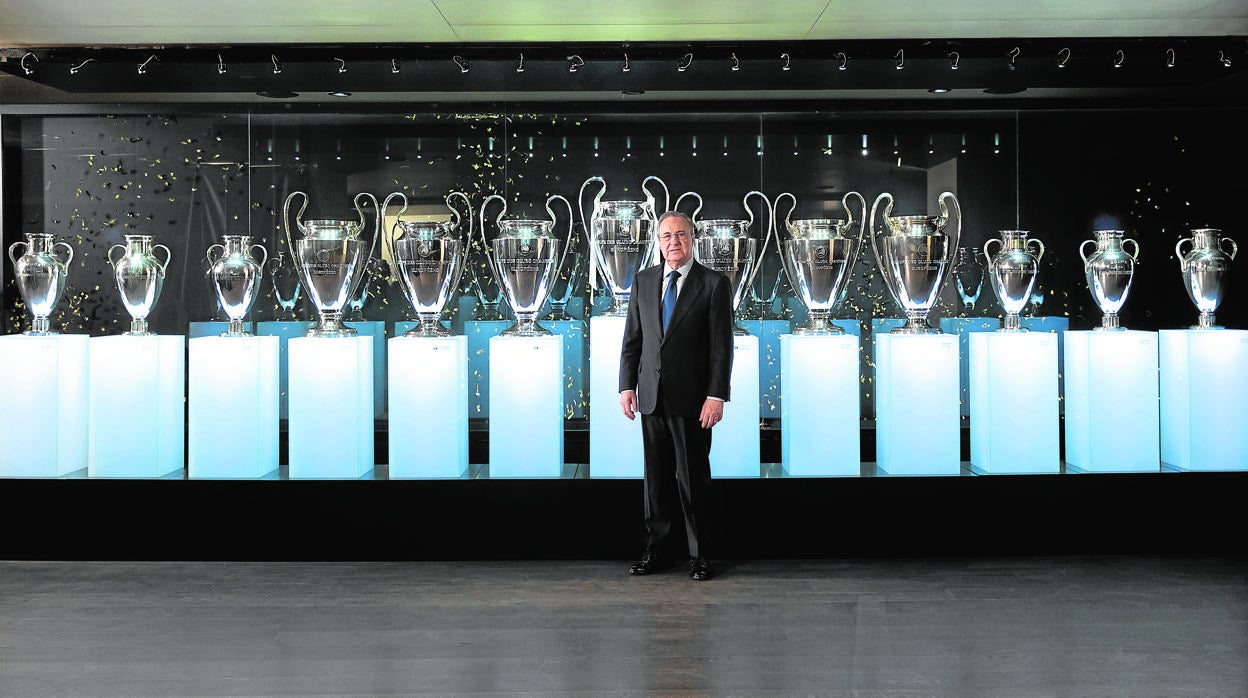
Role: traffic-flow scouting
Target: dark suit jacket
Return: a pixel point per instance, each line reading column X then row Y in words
column 693, row 360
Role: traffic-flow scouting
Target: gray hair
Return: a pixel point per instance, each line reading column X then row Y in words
column 675, row 214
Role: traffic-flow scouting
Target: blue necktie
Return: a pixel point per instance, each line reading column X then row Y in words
column 669, row 298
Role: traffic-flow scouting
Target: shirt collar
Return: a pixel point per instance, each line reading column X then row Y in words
column 683, row 269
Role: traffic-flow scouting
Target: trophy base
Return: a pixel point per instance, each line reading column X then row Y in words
column 818, row 325
column 1206, row 323
column 40, row 327
column 331, row 326
column 1012, row 324
column 1193, row 327
column 618, row 307
column 1109, row 323
column 430, row 330
column 525, row 328
column 138, row 328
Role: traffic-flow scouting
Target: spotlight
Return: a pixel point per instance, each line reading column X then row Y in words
column 1224, row 59
column 1062, row 57
column 1119, row 58
column 30, row 54
column 735, row 63
column 394, row 66
column 626, row 67
column 843, row 58
column 342, row 65
column 220, row 65
column 574, row 63
column 1013, row 54
column 1170, row 58
column 461, row 62
column 785, row 61
column 144, row 64
column 683, row 64
column 901, row 59
column 339, row 93
column 520, row 65
column 74, row 69
column 277, row 66
column 954, row 59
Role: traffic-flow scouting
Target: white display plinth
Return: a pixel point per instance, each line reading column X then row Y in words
column 735, row 449
column 820, row 431
column 428, row 407
column 964, row 327
column 916, row 404
column 1112, row 410
column 615, row 442
column 234, row 407
column 1014, row 401
column 45, row 380
column 137, row 406
column 377, row 330
column 284, row 331
column 1204, row 399
column 331, row 407
column 526, row 406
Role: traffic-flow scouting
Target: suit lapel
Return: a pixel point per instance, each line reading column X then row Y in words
column 688, row 295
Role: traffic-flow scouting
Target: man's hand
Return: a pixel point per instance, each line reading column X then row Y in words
column 712, row 413
column 628, row 403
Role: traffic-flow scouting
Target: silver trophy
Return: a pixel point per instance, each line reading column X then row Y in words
column 235, row 276
column 968, row 277
column 1013, row 273
column 286, row 285
column 819, row 256
column 372, row 285
column 429, row 257
column 140, row 276
column 41, row 275
column 1109, row 270
column 621, row 239
column 331, row 259
column 1204, row 268
column 914, row 255
column 524, row 260
column 726, row 246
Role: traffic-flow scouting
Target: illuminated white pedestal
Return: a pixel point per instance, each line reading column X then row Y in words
column 377, row 330
column 428, row 407
column 964, row 327
column 1013, row 400
column 1204, row 399
column 615, row 443
column 284, row 331
column 44, row 380
column 735, row 449
column 916, row 404
column 820, row 434
column 331, row 407
column 526, row 406
column 233, row 406
column 1112, row 411
column 138, row 406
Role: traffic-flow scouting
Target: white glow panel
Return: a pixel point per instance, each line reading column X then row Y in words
column 377, row 330
column 964, row 327
column 735, row 450
column 137, row 406
column 1112, row 410
column 284, row 331
column 1204, row 399
column 916, row 384
column 615, row 443
column 820, row 434
column 526, row 406
column 233, row 407
column 428, row 407
column 46, row 379
column 1014, row 401
column 331, row 407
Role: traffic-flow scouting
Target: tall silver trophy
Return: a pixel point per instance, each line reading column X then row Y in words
column 621, row 239
column 1012, row 273
column 525, row 258
column 429, row 258
column 331, row 259
column 41, row 275
column 1204, row 267
column 726, row 246
column 914, row 254
column 819, row 256
column 235, row 274
column 140, row 276
column 1109, row 270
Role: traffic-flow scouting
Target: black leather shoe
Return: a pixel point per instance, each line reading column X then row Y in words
column 699, row 569
column 648, row 564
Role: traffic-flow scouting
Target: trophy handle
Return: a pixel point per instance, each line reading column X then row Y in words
column 264, row 256
column 290, row 230
column 1040, row 254
column 1178, row 251
column 208, row 254
column 1083, row 246
column 168, row 257
column 14, row 257
column 372, row 249
column 875, row 247
column 458, row 222
column 585, row 222
column 696, row 211
column 771, row 229
column 1136, row 254
column 667, row 194
column 111, row 262
column 69, row 251
column 987, row 254
column 485, row 240
column 571, row 228
column 388, row 238
column 1234, row 247
column 849, row 214
column 775, row 208
column 951, row 198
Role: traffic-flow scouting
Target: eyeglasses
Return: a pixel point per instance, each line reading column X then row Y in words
column 679, row 235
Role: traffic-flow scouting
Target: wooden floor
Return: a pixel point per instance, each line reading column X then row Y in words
column 1081, row 626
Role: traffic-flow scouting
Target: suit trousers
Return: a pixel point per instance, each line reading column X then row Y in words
column 677, row 473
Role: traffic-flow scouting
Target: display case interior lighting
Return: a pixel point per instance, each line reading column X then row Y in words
column 1224, row 59
column 843, row 58
column 725, row 146
column 759, row 146
column 595, row 146
column 461, row 62
column 563, row 147
column 955, row 59
column 964, row 144
column 626, row 66
column 795, row 150
column 394, row 66
column 29, row 55
column 221, row 70
column 342, row 65
column 1013, row 55
column 786, row 62
column 996, row 144
column 734, row 63
column 865, row 147
column 694, row 146
column 297, row 149
column 277, row 65
column 660, row 146
column 1119, row 58
column 144, row 64
column 901, row 59
column 683, row 64
column 1063, row 57
column 520, row 64
column 574, row 63
column 1170, row 58
column 73, row 70
column 337, row 148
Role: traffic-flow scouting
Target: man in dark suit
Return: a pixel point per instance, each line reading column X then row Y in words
column 675, row 365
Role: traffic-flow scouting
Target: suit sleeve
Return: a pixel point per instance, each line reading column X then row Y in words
column 630, row 349
column 720, row 320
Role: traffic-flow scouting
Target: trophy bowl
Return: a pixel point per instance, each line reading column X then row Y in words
column 524, row 259
column 1204, row 268
column 140, row 276
column 331, row 259
column 726, row 246
column 235, row 276
column 913, row 255
column 1013, row 274
column 41, row 275
column 621, row 239
column 429, row 257
column 1109, row 271
column 286, row 285
column 819, row 256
